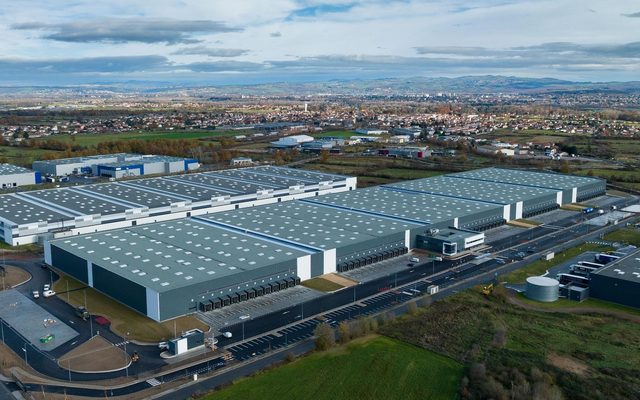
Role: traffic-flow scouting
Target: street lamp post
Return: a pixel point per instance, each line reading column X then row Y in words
column 126, row 355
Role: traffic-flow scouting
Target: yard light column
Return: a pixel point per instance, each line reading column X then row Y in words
column 126, row 355
column 91, row 323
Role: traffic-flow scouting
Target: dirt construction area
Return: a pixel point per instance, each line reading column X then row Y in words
column 95, row 355
column 340, row 280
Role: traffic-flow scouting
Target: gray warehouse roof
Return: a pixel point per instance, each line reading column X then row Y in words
column 224, row 183
column 529, row 178
column 168, row 255
column 74, row 201
column 494, row 192
column 110, row 198
column 626, row 268
column 141, row 197
column 417, row 207
column 250, row 176
column 20, row 211
column 311, row 176
column 310, row 224
column 10, row 169
column 182, row 186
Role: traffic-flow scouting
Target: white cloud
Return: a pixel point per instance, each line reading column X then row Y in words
column 299, row 31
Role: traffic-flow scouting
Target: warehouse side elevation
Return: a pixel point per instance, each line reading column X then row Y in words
column 13, row 176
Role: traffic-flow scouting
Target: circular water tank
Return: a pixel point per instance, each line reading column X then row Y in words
column 541, row 288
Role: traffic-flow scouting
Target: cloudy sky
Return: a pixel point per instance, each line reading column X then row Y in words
column 54, row 42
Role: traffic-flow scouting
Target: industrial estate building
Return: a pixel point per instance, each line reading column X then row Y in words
column 618, row 281
column 116, row 165
column 204, row 262
column 30, row 217
column 14, row 176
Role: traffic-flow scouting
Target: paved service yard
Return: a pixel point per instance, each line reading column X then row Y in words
column 32, row 321
column 554, row 216
column 502, row 232
column 257, row 307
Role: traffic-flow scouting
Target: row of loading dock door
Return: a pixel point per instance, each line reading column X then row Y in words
column 366, row 260
column 248, row 294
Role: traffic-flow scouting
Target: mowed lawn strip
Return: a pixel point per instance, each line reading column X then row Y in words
column 625, row 235
column 374, row 367
column 124, row 319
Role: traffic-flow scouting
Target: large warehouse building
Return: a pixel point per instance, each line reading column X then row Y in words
column 13, row 176
column 116, row 165
column 574, row 188
column 205, row 262
column 30, row 217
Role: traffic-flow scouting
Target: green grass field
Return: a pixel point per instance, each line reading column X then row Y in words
column 539, row 267
column 588, row 303
column 321, row 284
column 23, row 156
column 625, row 235
column 369, row 368
column 339, row 134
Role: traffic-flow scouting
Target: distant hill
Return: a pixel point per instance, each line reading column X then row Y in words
column 375, row 87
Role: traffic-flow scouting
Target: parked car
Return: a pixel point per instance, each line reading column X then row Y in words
column 36, row 294
column 46, row 287
column 414, row 259
column 163, row 345
column 48, row 293
column 227, row 334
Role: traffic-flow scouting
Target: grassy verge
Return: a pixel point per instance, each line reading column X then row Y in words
column 588, row 303
column 624, row 235
column 510, row 350
column 539, row 267
column 369, row 368
column 123, row 319
column 322, row 285
column 24, row 248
